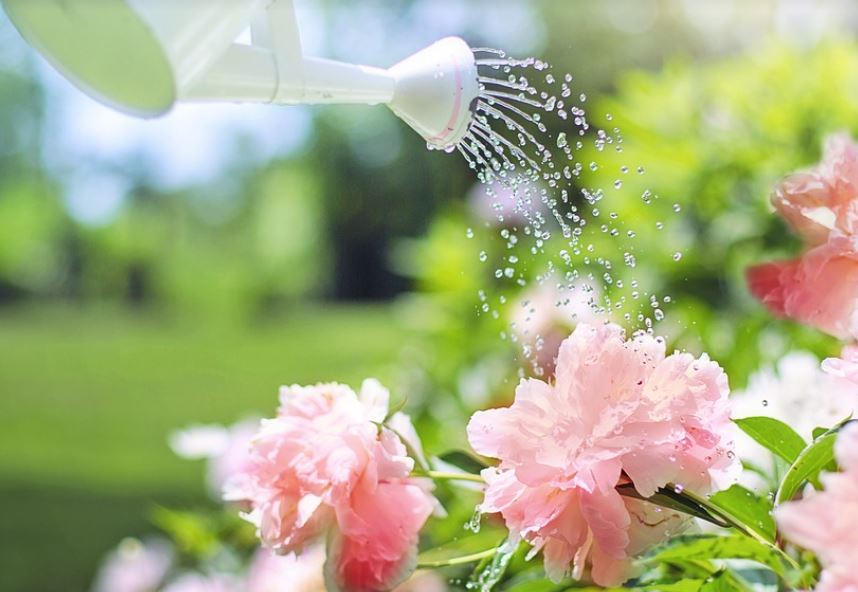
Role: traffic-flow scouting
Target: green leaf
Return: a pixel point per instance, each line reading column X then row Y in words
column 533, row 584
column 710, row 546
column 820, row 431
column 807, row 466
column 463, row 460
column 669, row 498
column 753, row 511
column 195, row 533
column 680, row 586
column 723, row 581
column 774, row 435
column 491, row 571
column 461, row 547
column 394, row 409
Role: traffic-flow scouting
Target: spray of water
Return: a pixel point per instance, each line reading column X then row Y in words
column 556, row 219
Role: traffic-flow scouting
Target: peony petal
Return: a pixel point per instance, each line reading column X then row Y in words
column 818, row 289
column 603, row 400
column 609, row 571
column 376, row 550
column 375, row 399
column 846, row 447
column 608, row 518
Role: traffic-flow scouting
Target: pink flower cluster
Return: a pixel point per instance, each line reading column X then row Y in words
column 827, row 522
column 324, row 467
column 820, row 287
column 619, row 411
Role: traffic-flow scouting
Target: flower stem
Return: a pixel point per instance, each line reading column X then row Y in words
column 441, row 476
column 472, row 558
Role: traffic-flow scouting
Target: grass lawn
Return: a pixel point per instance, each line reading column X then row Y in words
column 88, row 397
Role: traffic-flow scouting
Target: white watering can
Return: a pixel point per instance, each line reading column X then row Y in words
column 142, row 56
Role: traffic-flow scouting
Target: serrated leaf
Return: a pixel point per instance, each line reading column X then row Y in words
column 807, row 466
column 753, row 511
column 463, row 460
column 710, row 546
column 774, row 435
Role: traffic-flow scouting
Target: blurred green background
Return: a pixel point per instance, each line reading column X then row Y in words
column 157, row 274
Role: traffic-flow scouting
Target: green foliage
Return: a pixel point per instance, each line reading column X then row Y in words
column 673, row 499
column 714, row 139
column 712, row 546
column 90, row 396
column 774, row 435
column 807, row 466
column 750, row 509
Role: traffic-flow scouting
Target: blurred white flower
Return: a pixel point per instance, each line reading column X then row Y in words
column 304, row 572
column 506, row 206
column 550, row 305
column 797, row 392
column 134, row 566
column 295, row 573
column 424, row 581
column 545, row 314
column 226, row 449
column 195, row 582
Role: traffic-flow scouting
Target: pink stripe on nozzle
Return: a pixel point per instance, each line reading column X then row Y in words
column 457, row 108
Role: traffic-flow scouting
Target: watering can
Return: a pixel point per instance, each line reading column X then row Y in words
column 143, row 56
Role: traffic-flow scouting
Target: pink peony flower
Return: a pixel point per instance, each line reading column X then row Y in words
column 827, row 522
column 324, row 467
column 820, row 288
column 618, row 411
column 846, row 366
column 825, row 198
column 821, row 205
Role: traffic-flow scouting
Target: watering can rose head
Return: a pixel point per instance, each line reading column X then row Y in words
column 619, row 410
column 325, row 468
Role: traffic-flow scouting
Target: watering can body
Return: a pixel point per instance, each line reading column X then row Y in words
column 142, row 56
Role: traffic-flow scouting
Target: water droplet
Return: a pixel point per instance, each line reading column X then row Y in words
column 561, row 140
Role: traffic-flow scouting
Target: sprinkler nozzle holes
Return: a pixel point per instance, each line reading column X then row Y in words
column 435, row 91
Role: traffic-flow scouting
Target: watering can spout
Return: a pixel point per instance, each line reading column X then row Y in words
column 435, row 91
